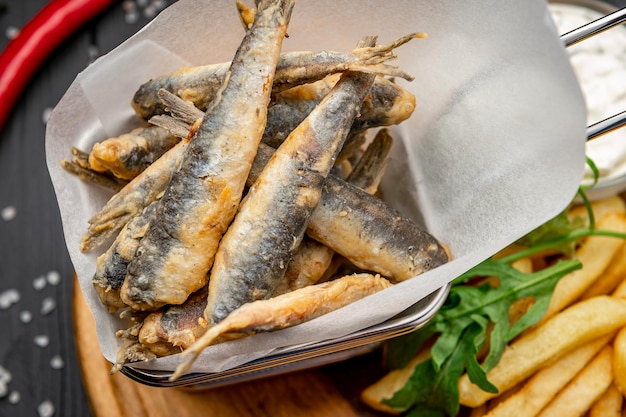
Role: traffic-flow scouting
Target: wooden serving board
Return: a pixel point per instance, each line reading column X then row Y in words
column 331, row 390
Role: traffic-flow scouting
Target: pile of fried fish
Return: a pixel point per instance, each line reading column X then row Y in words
column 248, row 201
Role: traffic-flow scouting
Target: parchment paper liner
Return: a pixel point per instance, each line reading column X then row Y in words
column 494, row 149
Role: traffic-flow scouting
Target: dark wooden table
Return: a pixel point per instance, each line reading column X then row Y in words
column 38, row 360
column 39, row 353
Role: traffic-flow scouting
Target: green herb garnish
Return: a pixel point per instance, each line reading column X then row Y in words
column 473, row 315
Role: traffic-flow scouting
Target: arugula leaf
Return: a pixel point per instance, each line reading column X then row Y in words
column 474, row 314
column 428, row 391
column 462, row 326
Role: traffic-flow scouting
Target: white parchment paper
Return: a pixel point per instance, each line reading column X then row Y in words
column 494, row 148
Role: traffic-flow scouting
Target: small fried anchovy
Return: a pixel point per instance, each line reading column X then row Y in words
column 199, row 85
column 365, row 229
column 307, row 266
column 127, row 155
column 271, row 220
column 176, row 253
column 132, row 199
column 287, row 310
column 387, row 104
column 369, row 169
column 371, row 234
column 313, row 260
column 174, row 328
column 111, row 266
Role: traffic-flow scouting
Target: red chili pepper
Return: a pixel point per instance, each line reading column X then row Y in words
column 36, row 40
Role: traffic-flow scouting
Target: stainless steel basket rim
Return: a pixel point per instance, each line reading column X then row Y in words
column 304, row 356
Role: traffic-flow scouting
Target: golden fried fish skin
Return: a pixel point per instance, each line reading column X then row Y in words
column 387, row 104
column 176, row 253
column 199, row 85
column 287, row 310
column 254, row 253
column 175, row 327
column 373, row 235
column 132, row 199
column 127, row 155
column 112, row 265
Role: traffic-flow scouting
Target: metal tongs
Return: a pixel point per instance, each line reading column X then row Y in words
column 587, row 31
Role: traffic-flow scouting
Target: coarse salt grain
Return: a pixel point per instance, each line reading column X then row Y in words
column 56, row 362
column 46, row 409
column 131, row 17
column 5, row 375
column 46, row 115
column 8, row 298
column 14, row 397
column 39, row 283
column 8, row 213
column 53, row 277
column 41, row 340
column 26, row 316
column 48, row 305
column 11, row 32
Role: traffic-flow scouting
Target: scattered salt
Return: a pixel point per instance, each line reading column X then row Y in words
column 46, row 409
column 53, row 277
column 41, row 340
column 93, row 52
column 8, row 298
column 57, row 362
column 11, row 32
column 48, row 305
column 149, row 12
column 26, row 316
column 46, row 115
column 8, row 213
column 14, row 397
column 39, row 283
column 129, row 5
column 5, row 375
column 131, row 17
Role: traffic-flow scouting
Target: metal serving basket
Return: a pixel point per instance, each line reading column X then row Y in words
column 300, row 357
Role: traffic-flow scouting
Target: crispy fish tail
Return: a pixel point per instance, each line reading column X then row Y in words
column 287, row 310
column 89, row 175
column 132, row 199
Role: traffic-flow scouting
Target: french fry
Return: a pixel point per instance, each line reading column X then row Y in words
column 595, row 254
column 569, row 329
column 611, row 277
column 546, row 383
column 620, row 291
column 609, row 405
column 585, row 389
column 600, row 208
column 387, row 386
column 619, row 360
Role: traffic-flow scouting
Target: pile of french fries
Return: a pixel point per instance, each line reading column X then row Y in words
column 571, row 363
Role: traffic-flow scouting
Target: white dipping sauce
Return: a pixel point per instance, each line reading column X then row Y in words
column 600, row 66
